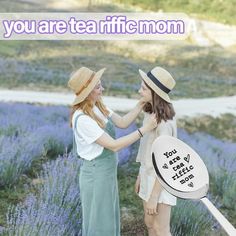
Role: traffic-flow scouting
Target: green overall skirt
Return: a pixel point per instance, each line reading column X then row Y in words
column 99, row 193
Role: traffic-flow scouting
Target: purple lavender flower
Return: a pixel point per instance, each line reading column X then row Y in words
column 29, row 133
column 190, row 218
column 126, row 153
column 56, row 210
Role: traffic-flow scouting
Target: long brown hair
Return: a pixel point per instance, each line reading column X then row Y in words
column 87, row 107
column 163, row 109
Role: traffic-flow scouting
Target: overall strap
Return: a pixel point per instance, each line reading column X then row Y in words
column 75, row 131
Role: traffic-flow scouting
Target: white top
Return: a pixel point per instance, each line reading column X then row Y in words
column 88, row 132
column 144, row 156
column 146, row 171
column 146, row 186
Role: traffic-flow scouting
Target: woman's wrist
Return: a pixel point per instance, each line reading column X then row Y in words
column 154, row 196
column 154, row 199
column 140, row 105
column 140, row 133
column 143, row 130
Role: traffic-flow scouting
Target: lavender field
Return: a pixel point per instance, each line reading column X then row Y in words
column 35, row 146
column 46, row 65
column 30, row 135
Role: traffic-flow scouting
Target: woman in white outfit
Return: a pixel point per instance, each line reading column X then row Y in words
column 157, row 202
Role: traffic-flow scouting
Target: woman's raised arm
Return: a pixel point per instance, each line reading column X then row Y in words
column 124, row 121
column 116, row 144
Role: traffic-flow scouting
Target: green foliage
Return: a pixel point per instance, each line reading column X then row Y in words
column 12, row 196
column 47, row 66
column 53, row 148
column 222, row 127
column 229, row 190
column 127, row 180
column 131, row 205
column 11, row 130
column 217, row 183
column 217, row 10
column 189, row 218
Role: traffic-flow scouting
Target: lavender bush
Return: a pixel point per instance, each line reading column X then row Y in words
column 126, row 153
column 190, row 218
column 18, row 153
column 217, row 154
column 229, row 191
column 34, row 131
column 56, row 210
column 21, row 72
column 13, row 160
column 27, row 134
column 220, row 159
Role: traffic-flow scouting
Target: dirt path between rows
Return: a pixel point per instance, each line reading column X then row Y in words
column 184, row 107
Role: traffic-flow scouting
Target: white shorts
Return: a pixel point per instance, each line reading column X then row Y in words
column 146, row 185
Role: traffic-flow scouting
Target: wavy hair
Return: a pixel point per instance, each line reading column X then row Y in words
column 87, row 107
column 163, row 109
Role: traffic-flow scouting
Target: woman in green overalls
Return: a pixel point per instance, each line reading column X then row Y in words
column 94, row 134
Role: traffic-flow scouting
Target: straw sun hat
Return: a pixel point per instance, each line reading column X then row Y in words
column 160, row 81
column 83, row 81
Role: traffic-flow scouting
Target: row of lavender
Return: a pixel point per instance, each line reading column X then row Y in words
column 58, row 200
column 220, row 159
column 57, row 210
column 29, row 132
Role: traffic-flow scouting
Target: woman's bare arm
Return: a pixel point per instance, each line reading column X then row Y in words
column 124, row 121
column 156, row 190
column 116, row 144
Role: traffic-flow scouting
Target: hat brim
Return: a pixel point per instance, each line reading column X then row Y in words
column 157, row 90
column 84, row 94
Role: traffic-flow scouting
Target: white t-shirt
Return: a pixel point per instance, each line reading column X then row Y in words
column 88, row 132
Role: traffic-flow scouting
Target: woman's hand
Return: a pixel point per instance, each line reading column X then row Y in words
column 151, row 206
column 141, row 103
column 150, row 124
column 137, row 185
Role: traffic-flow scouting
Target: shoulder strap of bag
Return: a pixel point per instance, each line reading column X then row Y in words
column 75, row 131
